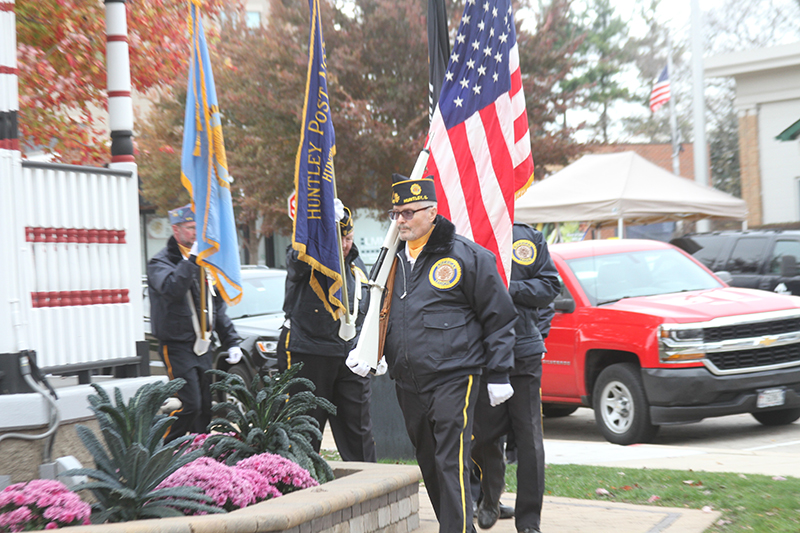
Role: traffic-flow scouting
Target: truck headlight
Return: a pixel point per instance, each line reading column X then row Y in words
column 680, row 345
column 683, row 335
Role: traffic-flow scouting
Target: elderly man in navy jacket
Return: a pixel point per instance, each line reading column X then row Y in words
column 177, row 318
column 451, row 327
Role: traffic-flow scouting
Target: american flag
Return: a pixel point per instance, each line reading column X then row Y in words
column 480, row 150
column 660, row 94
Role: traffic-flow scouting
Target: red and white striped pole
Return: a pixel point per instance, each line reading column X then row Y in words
column 12, row 239
column 120, row 117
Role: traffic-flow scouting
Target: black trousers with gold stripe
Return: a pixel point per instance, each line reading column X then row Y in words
column 439, row 424
column 351, row 425
column 522, row 413
column 195, row 412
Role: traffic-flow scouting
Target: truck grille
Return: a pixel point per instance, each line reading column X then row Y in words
column 773, row 355
column 753, row 329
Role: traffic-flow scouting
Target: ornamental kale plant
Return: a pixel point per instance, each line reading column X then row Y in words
column 284, row 474
column 229, row 487
column 41, row 504
column 269, row 420
column 135, row 459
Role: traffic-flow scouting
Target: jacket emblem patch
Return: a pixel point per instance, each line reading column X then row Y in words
column 445, row 274
column 524, row 252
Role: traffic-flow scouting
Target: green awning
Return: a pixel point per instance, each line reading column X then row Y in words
column 791, row 133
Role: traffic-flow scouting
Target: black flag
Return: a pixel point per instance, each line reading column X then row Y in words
column 438, row 51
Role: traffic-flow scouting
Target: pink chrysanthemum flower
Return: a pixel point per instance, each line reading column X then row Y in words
column 41, row 504
column 217, row 480
column 284, row 474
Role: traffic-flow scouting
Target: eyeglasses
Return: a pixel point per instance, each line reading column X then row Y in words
column 407, row 214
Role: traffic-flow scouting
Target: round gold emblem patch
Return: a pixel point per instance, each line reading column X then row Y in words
column 415, row 189
column 524, row 252
column 445, row 274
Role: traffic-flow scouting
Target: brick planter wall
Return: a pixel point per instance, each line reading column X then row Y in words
column 364, row 498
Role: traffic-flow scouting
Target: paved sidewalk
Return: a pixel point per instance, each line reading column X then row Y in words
column 566, row 515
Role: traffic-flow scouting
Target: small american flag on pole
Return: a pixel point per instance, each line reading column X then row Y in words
column 481, row 150
column 660, row 94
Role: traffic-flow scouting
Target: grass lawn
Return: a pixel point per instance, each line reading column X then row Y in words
column 747, row 502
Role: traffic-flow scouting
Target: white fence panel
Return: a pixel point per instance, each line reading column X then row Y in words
column 76, row 225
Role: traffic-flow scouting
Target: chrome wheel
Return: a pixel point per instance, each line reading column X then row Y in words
column 616, row 407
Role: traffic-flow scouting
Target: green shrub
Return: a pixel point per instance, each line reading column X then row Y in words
column 268, row 419
column 135, row 459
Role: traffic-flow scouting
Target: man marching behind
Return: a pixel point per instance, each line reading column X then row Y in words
column 311, row 336
column 534, row 284
column 177, row 316
column 451, row 321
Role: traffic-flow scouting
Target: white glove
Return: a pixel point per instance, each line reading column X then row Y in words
column 499, row 392
column 382, row 367
column 193, row 251
column 356, row 365
column 338, row 209
column 234, row 355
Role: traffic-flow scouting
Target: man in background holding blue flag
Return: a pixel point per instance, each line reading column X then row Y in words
column 204, row 171
column 199, row 268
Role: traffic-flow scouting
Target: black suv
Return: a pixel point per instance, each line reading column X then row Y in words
column 755, row 259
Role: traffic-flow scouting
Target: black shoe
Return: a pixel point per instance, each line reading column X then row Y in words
column 529, row 530
column 487, row 516
column 506, row 511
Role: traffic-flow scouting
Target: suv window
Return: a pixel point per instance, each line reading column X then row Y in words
column 712, row 248
column 783, row 247
column 747, row 255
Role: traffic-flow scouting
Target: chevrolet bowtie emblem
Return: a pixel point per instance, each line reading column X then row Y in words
column 766, row 341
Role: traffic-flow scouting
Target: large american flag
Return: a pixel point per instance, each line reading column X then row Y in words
column 481, row 150
column 660, row 94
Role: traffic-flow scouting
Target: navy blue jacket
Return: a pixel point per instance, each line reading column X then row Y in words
column 313, row 330
column 451, row 315
column 534, row 285
column 169, row 277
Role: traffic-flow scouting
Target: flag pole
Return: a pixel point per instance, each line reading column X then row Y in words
column 673, row 120
column 341, row 254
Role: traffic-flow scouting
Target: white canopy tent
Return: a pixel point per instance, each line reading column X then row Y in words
column 622, row 187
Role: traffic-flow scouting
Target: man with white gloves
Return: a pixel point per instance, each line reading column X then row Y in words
column 451, row 326
column 178, row 319
column 311, row 336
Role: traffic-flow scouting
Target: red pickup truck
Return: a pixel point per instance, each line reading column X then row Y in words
column 647, row 336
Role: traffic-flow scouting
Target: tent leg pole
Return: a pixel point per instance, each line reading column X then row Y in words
column 620, row 228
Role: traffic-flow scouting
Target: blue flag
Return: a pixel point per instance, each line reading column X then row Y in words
column 204, row 171
column 315, row 226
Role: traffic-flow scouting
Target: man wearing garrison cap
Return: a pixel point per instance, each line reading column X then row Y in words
column 312, row 337
column 451, row 325
column 177, row 319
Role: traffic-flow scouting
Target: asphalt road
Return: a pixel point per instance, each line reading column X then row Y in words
column 735, row 432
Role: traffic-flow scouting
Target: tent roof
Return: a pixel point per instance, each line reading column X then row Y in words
column 607, row 187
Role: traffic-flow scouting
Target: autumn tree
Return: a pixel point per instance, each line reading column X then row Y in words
column 377, row 79
column 62, row 71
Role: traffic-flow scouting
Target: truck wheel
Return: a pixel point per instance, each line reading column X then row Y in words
column 781, row 417
column 620, row 405
column 554, row 410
